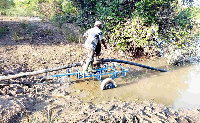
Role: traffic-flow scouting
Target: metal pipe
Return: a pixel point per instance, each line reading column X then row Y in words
column 38, row 72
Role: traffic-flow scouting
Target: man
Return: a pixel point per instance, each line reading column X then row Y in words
column 94, row 38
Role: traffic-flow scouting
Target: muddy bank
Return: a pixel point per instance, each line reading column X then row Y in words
column 30, row 99
column 35, row 102
column 69, row 109
column 53, row 102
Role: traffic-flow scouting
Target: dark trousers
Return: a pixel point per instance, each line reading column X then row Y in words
column 98, row 49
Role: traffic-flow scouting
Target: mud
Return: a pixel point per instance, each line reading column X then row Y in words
column 25, row 100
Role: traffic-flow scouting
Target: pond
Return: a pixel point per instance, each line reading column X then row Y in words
column 178, row 88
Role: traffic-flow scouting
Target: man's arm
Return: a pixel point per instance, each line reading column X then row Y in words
column 85, row 35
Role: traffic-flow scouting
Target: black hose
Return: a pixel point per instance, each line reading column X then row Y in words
column 132, row 63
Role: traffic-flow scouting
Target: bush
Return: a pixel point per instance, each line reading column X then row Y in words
column 128, row 24
column 134, row 35
column 72, row 33
column 3, row 30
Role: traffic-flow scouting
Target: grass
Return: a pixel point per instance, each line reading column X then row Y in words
column 3, row 30
column 72, row 33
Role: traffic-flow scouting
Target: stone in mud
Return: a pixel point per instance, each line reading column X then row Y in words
column 112, row 107
column 39, row 89
column 1, row 92
column 169, row 120
column 135, row 119
column 61, row 91
column 147, row 111
column 91, row 106
column 124, row 119
column 11, row 93
column 161, row 116
column 19, row 90
column 184, row 120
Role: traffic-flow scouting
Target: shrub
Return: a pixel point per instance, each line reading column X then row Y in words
column 3, row 30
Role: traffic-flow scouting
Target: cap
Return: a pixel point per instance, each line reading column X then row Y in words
column 97, row 23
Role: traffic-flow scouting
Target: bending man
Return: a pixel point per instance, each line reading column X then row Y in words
column 94, row 38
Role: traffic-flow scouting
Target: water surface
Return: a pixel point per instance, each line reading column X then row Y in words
column 178, row 88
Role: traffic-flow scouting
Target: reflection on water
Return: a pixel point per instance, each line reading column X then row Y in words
column 178, row 87
column 191, row 97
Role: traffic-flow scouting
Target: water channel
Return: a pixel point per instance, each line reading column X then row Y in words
column 178, row 88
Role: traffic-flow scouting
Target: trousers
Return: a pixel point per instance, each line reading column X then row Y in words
column 90, row 58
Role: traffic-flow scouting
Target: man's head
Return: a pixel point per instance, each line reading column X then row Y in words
column 98, row 24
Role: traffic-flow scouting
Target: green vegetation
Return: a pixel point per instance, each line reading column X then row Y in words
column 5, row 5
column 3, row 30
column 128, row 24
column 24, row 32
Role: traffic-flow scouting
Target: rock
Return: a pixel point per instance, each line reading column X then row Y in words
column 161, row 116
column 112, row 107
column 136, row 119
column 1, row 93
column 124, row 119
column 147, row 111
column 20, row 90
column 183, row 120
column 12, row 93
column 91, row 107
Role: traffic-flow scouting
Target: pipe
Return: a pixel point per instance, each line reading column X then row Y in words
column 132, row 63
column 74, row 65
column 38, row 72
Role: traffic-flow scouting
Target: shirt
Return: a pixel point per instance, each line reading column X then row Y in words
column 94, row 35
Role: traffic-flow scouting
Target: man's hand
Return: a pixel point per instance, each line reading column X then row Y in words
column 105, row 46
column 85, row 35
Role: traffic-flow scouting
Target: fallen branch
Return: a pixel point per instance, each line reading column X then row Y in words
column 38, row 72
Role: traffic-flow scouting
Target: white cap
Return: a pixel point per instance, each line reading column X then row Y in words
column 97, row 23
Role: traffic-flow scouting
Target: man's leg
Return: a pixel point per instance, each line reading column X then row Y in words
column 89, row 60
column 98, row 50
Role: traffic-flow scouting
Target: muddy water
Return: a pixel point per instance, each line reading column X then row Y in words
column 178, row 88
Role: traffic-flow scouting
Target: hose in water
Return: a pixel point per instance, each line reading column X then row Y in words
column 132, row 63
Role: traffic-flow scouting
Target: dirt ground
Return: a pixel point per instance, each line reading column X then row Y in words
column 30, row 99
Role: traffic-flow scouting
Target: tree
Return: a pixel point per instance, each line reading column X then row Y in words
column 5, row 4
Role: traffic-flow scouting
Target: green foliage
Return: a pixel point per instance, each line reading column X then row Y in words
column 26, row 27
column 180, row 27
column 109, row 11
column 24, row 32
column 149, row 9
column 196, row 11
column 184, row 18
column 133, row 34
column 5, row 5
column 59, row 20
column 3, row 30
column 127, row 23
column 21, row 8
column 72, row 33
column 69, row 8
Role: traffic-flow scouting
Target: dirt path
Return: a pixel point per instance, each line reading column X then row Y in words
column 24, row 100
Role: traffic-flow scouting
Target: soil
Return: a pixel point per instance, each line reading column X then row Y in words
column 31, row 99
